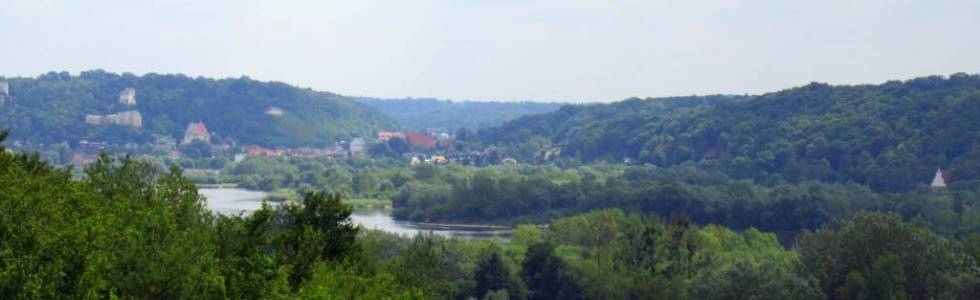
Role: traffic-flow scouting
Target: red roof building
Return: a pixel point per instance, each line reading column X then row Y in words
column 420, row 139
column 196, row 131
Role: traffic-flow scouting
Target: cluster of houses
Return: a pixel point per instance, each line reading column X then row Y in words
column 86, row 152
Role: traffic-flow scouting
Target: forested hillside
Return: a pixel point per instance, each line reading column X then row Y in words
column 421, row 114
column 53, row 106
column 891, row 136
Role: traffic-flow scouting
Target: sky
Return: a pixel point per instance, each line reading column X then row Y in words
column 504, row 50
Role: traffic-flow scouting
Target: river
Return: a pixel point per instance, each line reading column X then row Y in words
column 233, row 201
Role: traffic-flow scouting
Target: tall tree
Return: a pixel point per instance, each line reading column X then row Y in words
column 318, row 230
column 493, row 275
column 874, row 252
column 545, row 275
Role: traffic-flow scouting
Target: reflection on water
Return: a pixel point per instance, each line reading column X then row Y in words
column 233, row 201
column 236, row 201
column 382, row 220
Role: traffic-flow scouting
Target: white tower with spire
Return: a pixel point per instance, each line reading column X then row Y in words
column 939, row 182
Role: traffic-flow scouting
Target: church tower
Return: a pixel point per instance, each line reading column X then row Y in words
column 939, row 181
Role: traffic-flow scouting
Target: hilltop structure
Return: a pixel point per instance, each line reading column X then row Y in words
column 196, row 131
column 128, row 97
column 274, row 111
column 130, row 118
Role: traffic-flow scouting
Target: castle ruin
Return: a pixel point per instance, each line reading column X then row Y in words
column 128, row 96
column 130, row 118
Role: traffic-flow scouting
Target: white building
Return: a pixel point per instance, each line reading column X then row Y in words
column 939, row 181
column 128, row 96
column 274, row 111
column 356, row 146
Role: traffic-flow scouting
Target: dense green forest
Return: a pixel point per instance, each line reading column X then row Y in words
column 426, row 113
column 130, row 230
column 536, row 193
column 891, row 136
column 51, row 108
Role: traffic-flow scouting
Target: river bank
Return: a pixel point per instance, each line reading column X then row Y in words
column 371, row 214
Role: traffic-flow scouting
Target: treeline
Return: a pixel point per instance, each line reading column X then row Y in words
column 537, row 193
column 890, row 136
column 526, row 193
column 51, row 108
column 129, row 230
column 614, row 255
column 610, row 254
column 350, row 178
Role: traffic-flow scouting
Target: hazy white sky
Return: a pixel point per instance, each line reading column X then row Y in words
column 500, row 50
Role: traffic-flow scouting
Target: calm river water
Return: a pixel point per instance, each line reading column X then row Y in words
column 235, row 201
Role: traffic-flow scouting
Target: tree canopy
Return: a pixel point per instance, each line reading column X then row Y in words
column 889, row 136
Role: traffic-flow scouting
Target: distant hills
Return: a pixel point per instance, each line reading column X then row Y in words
column 53, row 108
column 427, row 113
column 891, row 136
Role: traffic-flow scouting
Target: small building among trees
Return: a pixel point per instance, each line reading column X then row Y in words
column 196, row 131
column 939, row 181
column 128, row 97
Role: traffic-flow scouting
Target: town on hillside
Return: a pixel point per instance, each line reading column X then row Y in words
column 199, row 143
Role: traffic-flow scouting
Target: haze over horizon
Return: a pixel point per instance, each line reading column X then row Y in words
column 569, row 51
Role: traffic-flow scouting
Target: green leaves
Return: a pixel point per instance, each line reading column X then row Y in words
column 879, row 256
